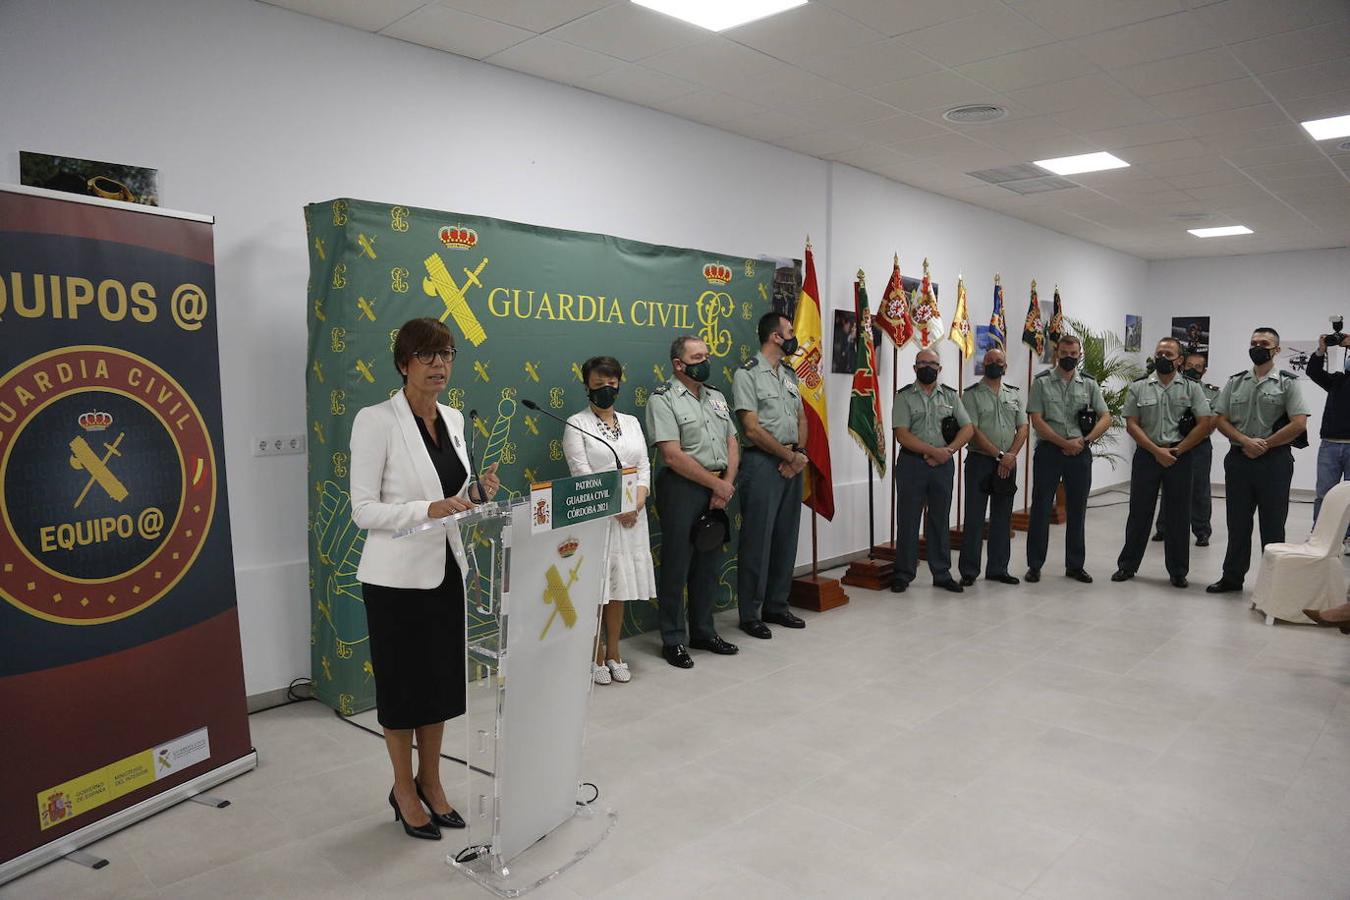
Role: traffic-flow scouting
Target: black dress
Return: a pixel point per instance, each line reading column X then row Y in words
column 417, row 636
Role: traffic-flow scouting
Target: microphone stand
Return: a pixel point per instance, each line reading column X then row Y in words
column 473, row 459
column 530, row 404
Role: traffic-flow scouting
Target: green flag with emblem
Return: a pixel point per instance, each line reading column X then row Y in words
column 864, row 405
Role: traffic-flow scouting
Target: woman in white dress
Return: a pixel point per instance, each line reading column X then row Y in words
column 631, row 576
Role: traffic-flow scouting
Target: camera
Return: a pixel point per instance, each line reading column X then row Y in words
column 1337, row 335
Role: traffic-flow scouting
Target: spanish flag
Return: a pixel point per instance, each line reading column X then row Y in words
column 962, row 335
column 819, row 490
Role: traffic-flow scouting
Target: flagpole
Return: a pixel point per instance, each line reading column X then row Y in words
column 895, row 452
column 960, row 389
column 1026, row 465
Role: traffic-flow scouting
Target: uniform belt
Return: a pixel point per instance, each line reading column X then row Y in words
column 755, row 448
column 908, row 452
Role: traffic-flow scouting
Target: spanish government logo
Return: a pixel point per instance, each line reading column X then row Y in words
column 109, row 484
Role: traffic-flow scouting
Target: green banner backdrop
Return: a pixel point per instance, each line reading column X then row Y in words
column 527, row 306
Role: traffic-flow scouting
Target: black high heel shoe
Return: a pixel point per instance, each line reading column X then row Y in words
column 451, row 819
column 427, row 832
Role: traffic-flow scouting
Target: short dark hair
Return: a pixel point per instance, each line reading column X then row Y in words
column 768, row 324
column 1181, row 350
column 1068, row 339
column 677, row 345
column 1204, row 357
column 419, row 336
column 601, row 365
column 1267, row 330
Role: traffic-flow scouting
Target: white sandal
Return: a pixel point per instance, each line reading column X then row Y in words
column 619, row 670
column 600, row 674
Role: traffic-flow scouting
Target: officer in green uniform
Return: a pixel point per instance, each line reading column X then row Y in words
column 1000, row 432
column 1155, row 408
column 1260, row 463
column 924, row 470
column 1068, row 413
column 689, row 423
column 1202, row 463
column 773, row 421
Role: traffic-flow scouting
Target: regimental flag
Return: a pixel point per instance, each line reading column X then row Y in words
column 1033, row 335
column 1056, row 326
column 819, row 489
column 927, row 316
column 962, row 335
column 893, row 315
column 864, row 404
column 998, row 324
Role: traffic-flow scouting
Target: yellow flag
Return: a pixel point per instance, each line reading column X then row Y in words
column 962, row 335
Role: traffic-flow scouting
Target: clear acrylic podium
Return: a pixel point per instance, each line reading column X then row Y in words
column 532, row 596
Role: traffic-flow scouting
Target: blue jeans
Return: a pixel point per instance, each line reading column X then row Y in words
column 1333, row 467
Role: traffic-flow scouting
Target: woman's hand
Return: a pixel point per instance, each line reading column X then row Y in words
column 628, row 519
column 488, row 483
column 439, row 509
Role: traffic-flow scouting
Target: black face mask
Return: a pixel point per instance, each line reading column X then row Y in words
column 927, row 375
column 790, row 346
column 1194, row 374
column 1259, row 355
column 1068, row 363
column 603, row 396
column 993, row 371
column 698, row 371
column 1164, row 366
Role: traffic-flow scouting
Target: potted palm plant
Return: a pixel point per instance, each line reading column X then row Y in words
column 1104, row 360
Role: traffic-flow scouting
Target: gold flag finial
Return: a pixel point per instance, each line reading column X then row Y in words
column 1033, row 284
column 897, row 258
column 998, row 279
column 808, row 242
column 862, row 279
column 925, row 267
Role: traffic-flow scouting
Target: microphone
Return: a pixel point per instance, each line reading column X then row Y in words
column 473, row 460
column 530, row 404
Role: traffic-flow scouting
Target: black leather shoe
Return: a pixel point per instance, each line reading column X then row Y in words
column 786, row 619
column 1033, row 575
column 967, row 580
column 677, row 656
column 757, row 629
column 1223, row 586
column 1158, row 536
column 427, row 832
column 898, row 587
column 1179, row 581
column 1005, row 578
column 716, row 644
column 948, row 585
column 1122, row 575
column 445, row 820
column 1202, row 541
column 1078, row 575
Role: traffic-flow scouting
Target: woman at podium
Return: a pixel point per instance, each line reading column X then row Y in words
column 631, row 575
column 409, row 465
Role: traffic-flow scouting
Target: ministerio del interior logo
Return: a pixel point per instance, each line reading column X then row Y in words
column 109, row 484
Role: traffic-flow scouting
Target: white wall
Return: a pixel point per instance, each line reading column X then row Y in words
column 1291, row 292
column 250, row 112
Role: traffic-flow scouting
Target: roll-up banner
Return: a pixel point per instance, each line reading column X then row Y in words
column 121, row 676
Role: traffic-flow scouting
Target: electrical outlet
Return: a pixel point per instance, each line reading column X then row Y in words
column 278, row 444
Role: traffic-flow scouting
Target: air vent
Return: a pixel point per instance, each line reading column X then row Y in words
column 1038, row 185
column 974, row 114
column 1191, row 218
column 1023, row 179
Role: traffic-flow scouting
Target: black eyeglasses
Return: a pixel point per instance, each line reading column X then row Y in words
column 427, row 357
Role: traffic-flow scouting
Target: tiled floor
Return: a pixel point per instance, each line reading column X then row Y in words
column 1044, row 741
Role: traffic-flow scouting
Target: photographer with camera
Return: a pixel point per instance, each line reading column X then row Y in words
column 1333, row 455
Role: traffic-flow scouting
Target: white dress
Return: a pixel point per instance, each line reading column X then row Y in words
column 631, row 575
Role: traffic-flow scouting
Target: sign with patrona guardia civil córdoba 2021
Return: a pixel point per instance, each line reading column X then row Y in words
column 527, row 306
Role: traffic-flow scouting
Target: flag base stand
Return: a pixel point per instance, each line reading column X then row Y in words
column 884, row 551
column 816, row 593
column 873, row 574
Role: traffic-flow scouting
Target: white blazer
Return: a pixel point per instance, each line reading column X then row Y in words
column 393, row 482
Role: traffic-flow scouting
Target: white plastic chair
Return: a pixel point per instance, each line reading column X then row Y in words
column 1295, row 577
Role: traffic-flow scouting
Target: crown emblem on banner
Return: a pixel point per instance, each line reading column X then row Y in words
column 716, row 273
column 458, row 237
column 95, row 421
column 568, row 547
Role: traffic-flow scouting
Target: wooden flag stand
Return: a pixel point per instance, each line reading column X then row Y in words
column 813, row 592
column 871, row 573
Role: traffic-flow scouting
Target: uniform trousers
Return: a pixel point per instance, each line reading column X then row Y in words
column 1049, row 466
column 1147, row 475
column 771, row 512
column 1201, row 504
column 920, row 485
column 1254, row 486
column 679, row 503
column 1000, row 506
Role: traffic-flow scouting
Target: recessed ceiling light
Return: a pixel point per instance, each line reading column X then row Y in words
column 1086, row 162
column 1223, row 231
column 719, row 15
column 1326, row 129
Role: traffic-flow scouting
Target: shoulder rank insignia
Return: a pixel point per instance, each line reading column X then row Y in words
column 750, row 363
column 1287, row 374
column 661, row 389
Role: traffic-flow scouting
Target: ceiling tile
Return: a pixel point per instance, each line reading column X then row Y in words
column 1295, row 48
column 529, row 14
column 1224, row 141
column 554, row 60
column 1210, row 98
column 936, row 146
column 863, row 67
column 1180, row 72
column 1059, row 96
column 1280, row 153
column 1112, row 114
column 1308, row 81
column 1188, row 165
column 363, row 14
column 1266, row 115
column 1146, row 153
column 899, row 128
column 1310, row 168
column 456, row 32
column 1162, row 38
column 1307, row 187
column 638, row 85
column 1135, row 135
column 1073, row 18
column 766, row 125
column 1235, row 21
column 871, row 157
column 629, row 32
column 892, row 18
column 1211, row 178
column 1027, row 68
column 708, row 106
column 787, row 88
column 993, row 33
column 824, row 143
column 937, row 90
column 716, row 62
column 1229, row 194
column 1336, row 103
column 841, row 112
column 802, row 33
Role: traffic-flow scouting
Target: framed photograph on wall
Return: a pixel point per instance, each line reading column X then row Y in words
column 1134, row 333
column 90, row 177
column 1193, row 332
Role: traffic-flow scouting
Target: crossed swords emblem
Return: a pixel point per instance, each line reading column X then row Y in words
column 557, row 595
column 84, row 458
column 440, row 283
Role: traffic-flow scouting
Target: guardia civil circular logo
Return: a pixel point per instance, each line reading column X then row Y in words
column 109, row 484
